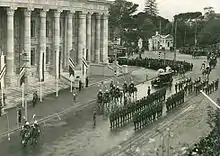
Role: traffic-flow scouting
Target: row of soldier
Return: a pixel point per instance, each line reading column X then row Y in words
column 123, row 115
column 211, row 87
column 175, row 100
column 156, row 64
column 148, row 115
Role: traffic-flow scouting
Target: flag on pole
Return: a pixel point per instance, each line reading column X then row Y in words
column 3, row 71
column 22, row 75
column 85, row 63
column 71, row 66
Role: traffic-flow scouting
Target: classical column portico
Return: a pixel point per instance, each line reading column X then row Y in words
column 97, row 38
column 105, row 38
column 43, row 44
column 69, row 33
column 10, row 46
column 27, row 34
column 57, row 39
column 82, row 36
column 89, row 36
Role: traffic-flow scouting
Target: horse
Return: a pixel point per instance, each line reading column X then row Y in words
column 132, row 92
column 26, row 136
column 213, row 62
column 100, row 102
column 35, row 133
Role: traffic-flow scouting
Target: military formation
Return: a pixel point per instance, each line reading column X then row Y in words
column 124, row 115
column 175, row 100
column 155, row 64
column 115, row 96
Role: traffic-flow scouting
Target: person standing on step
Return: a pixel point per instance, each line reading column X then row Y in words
column 87, row 81
column 80, row 85
column 94, row 119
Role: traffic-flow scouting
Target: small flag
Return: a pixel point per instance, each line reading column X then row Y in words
column 2, row 73
column 71, row 67
column 85, row 63
column 22, row 75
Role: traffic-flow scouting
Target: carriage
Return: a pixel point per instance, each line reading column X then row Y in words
column 165, row 78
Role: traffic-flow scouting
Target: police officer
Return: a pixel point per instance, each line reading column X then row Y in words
column 148, row 90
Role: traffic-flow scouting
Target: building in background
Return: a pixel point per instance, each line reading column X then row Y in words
column 159, row 42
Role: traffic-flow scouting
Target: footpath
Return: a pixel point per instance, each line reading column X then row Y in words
column 52, row 104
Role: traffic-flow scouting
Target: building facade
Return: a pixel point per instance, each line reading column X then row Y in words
column 50, row 28
column 159, row 42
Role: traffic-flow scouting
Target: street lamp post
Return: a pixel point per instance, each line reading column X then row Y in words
column 25, row 60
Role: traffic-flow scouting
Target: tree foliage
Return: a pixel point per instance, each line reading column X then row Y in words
column 151, row 7
column 121, row 16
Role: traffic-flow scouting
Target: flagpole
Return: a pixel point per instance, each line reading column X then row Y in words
column 41, row 91
column 71, row 85
column 22, row 92
column 57, row 87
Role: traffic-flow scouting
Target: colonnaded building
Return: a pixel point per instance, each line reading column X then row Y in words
column 52, row 27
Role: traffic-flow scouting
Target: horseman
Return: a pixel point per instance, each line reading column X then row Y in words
column 35, row 131
column 131, row 86
column 25, row 129
column 111, row 84
column 203, row 66
column 99, row 95
column 125, row 87
column 117, row 91
column 100, row 100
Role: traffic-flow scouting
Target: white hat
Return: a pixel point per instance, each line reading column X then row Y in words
column 27, row 123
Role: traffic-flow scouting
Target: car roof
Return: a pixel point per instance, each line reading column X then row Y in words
column 165, row 73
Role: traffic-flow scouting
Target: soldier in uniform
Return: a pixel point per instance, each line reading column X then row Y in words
column 148, row 91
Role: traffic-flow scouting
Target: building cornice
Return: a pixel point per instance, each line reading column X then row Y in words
column 100, row 6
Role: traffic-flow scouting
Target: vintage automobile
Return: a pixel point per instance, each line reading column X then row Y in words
column 163, row 78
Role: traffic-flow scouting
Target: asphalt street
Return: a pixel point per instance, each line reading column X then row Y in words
column 74, row 135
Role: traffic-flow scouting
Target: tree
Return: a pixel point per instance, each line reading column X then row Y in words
column 121, row 17
column 210, row 33
column 151, row 7
column 209, row 12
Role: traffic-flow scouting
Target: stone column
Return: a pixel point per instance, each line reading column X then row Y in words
column 10, row 46
column 105, row 38
column 89, row 36
column 97, row 37
column 93, row 39
column 82, row 36
column 43, row 39
column 69, row 34
column 57, row 39
column 27, row 34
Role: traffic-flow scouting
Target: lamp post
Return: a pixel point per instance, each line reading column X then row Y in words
column 25, row 60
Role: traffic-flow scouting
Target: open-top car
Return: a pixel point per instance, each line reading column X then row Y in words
column 165, row 78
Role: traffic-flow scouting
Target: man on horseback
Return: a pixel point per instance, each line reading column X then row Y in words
column 203, row 66
column 125, row 87
column 35, row 131
column 25, row 130
column 100, row 100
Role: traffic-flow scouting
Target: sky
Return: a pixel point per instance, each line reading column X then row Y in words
column 169, row 8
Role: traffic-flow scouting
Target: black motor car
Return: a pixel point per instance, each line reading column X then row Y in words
column 162, row 79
